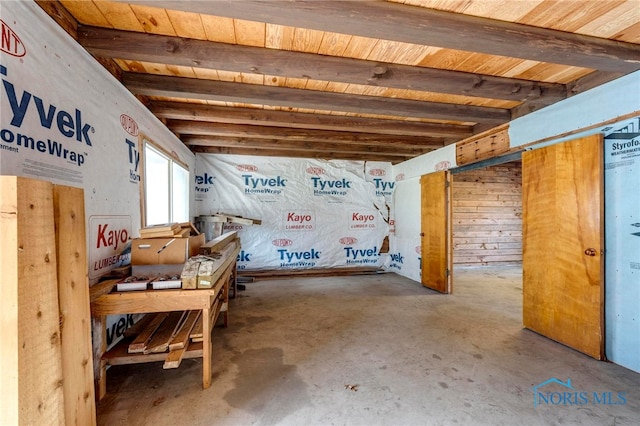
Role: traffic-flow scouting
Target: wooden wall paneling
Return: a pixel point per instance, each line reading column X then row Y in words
column 75, row 314
column 31, row 377
column 487, row 215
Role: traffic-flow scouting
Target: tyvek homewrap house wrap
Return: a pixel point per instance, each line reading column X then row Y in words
column 315, row 214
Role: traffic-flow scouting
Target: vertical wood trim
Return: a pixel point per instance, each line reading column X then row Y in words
column 31, row 376
column 449, row 228
column 143, row 182
column 73, row 292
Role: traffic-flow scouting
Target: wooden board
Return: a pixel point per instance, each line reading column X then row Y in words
column 180, row 339
column 167, row 330
column 180, row 343
column 75, row 313
column 229, row 255
column 218, row 243
column 562, row 221
column 31, row 377
column 436, row 252
column 140, row 343
column 489, row 144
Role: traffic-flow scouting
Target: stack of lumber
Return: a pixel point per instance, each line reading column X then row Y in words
column 168, row 230
column 167, row 332
column 204, row 270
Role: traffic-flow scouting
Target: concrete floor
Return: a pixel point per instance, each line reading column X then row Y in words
column 413, row 357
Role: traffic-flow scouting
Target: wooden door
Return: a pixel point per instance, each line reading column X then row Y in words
column 436, row 231
column 563, row 242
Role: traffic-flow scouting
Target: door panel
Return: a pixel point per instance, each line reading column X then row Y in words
column 436, row 231
column 563, row 242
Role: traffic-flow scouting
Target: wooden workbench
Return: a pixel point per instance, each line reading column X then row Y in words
column 211, row 301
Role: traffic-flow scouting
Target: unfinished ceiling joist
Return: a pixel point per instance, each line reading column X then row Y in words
column 193, row 88
column 412, row 24
column 278, row 144
column 262, row 117
column 320, row 154
column 129, row 45
column 264, row 132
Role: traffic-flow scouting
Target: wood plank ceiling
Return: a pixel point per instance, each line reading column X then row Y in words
column 356, row 80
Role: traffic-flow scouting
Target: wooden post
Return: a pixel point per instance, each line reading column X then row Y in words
column 75, row 314
column 31, row 377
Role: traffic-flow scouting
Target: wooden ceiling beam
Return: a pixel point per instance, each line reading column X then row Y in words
column 265, row 132
column 298, row 120
column 392, row 151
column 128, row 45
column 193, row 88
column 306, row 153
column 413, row 24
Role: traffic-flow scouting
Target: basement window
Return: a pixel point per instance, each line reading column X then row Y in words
column 166, row 187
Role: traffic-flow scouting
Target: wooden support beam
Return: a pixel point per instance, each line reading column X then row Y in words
column 164, row 49
column 298, row 135
column 418, row 25
column 297, row 120
column 302, row 153
column 193, row 88
column 328, row 147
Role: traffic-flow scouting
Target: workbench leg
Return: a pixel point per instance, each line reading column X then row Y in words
column 101, row 365
column 225, row 295
column 206, row 348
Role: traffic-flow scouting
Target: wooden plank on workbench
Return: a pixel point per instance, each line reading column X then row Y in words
column 139, row 344
column 31, row 376
column 182, row 337
column 139, row 326
column 102, row 288
column 218, row 243
column 160, row 340
column 229, row 255
column 180, row 343
column 75, row 313
column 196, row 334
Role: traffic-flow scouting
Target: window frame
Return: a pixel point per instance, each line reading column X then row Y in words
column 143, row 142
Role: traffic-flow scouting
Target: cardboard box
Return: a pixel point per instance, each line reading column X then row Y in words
column 154, row 251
